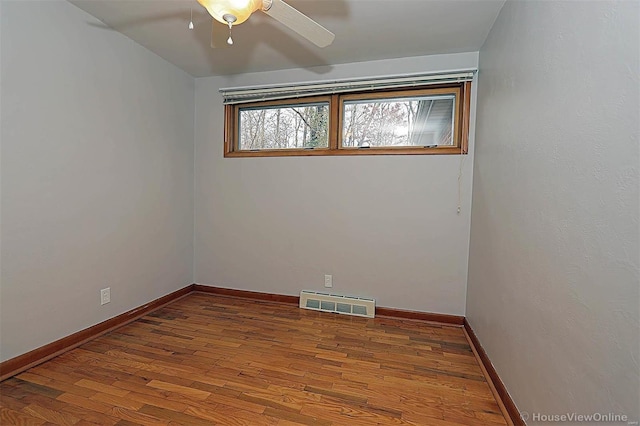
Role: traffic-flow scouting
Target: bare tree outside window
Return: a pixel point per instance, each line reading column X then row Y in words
column 284, row 127
column 425, row 121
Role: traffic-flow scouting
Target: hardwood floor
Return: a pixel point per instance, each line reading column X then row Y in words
column 206, row 360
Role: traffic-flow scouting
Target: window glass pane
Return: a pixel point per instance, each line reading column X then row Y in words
column 396, row 122
column 284, row 126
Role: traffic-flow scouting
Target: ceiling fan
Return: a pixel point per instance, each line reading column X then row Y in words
column 235, row 12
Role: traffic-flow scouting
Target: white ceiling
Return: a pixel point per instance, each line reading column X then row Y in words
column 365, row 30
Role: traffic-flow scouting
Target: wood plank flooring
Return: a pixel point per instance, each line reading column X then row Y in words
column 206, row 360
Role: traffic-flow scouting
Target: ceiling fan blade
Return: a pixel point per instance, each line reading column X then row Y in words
column 219, row 35
column 298, row 22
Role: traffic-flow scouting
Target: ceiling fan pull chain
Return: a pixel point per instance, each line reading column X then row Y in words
column 230, row 40
column 229, row 19
column 191, row 20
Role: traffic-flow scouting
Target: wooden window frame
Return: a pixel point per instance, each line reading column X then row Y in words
column 462, row 92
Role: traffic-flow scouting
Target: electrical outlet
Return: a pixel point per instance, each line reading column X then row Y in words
column 328, row 280
column 105, row 296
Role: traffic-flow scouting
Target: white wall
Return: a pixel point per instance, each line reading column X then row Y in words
column 383, row 226
column 97, row 174
column 554, row 258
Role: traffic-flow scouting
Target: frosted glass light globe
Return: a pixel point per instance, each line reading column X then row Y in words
column 241, row 9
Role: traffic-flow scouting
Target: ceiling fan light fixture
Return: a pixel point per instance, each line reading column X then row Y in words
column 239, row 9
column 235, row 12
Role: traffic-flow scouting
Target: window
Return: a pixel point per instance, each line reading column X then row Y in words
column 285, row 126
column 433, row 120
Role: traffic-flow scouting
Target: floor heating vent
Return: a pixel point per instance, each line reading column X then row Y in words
column 347, row 305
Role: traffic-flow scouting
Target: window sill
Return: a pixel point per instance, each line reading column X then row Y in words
column 345, row 152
